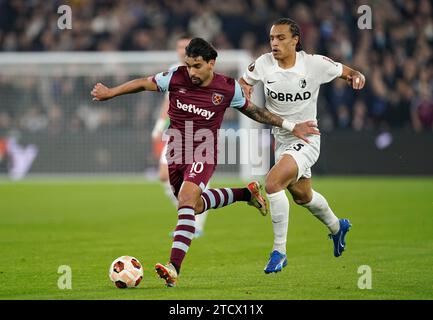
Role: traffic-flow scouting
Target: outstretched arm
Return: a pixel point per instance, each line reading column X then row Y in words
column 101, row 92
column 262, row 115
column 354, row 78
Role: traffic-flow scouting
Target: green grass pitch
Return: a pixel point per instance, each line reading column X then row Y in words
column 86, row 225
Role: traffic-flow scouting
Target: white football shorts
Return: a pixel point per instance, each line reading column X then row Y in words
column 305, row 154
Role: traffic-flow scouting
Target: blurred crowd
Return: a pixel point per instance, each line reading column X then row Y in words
column 395, row 55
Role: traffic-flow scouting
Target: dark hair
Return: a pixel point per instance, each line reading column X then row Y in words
column 198, row 47
column 294, row 29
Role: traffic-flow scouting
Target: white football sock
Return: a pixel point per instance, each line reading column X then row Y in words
column 169, row 193
column 319, row 207
column 200, row 220
column 279, row 208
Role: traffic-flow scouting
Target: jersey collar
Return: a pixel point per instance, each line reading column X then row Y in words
column 297, row 68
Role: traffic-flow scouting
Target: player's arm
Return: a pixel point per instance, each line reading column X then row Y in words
column 353, row 77
column 300, row 130
column 246, row 87
column 101, row 92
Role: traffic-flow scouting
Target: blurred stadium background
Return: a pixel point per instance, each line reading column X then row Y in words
column 46, row 75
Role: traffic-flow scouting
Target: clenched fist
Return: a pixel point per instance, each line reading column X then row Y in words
column 101, row 92
column 356, row 81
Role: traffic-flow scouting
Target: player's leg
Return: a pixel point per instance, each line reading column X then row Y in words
column 304, row 195
column 164, row 177
column 195, row 178
column 200, row 174
column 221, row 197
column 188, row 196
column 200, row 220
column 282, row 174
column 168, row 272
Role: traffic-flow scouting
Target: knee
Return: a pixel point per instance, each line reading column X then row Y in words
column 272, row 186
column 188, row 199
column 185, row 200
column 276, row 182
column 302, row 199
column 199, row 207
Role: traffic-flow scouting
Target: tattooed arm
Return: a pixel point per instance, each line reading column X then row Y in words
column 262, row 115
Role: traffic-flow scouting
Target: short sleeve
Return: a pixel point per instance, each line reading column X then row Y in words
column 238, row 101
column 252, row 75
column 326, row 69
column 162, row 79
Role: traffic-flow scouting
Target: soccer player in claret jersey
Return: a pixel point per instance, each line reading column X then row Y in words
column 291, row 80
column 198, row 99
column 157, row 136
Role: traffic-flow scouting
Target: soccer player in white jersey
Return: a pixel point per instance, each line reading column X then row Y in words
column 291, row 80
column 157, row 137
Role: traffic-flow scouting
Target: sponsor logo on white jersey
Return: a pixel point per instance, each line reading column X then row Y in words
column 288, row 97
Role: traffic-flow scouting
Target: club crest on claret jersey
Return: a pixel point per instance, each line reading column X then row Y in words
column 217, row 98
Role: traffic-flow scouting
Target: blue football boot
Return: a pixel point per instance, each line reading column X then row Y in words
column 277, row 261
column 339, row 237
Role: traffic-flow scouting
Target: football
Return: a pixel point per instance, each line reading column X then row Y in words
column 126, row 272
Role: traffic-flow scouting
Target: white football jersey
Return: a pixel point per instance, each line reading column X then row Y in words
column 292, row 93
